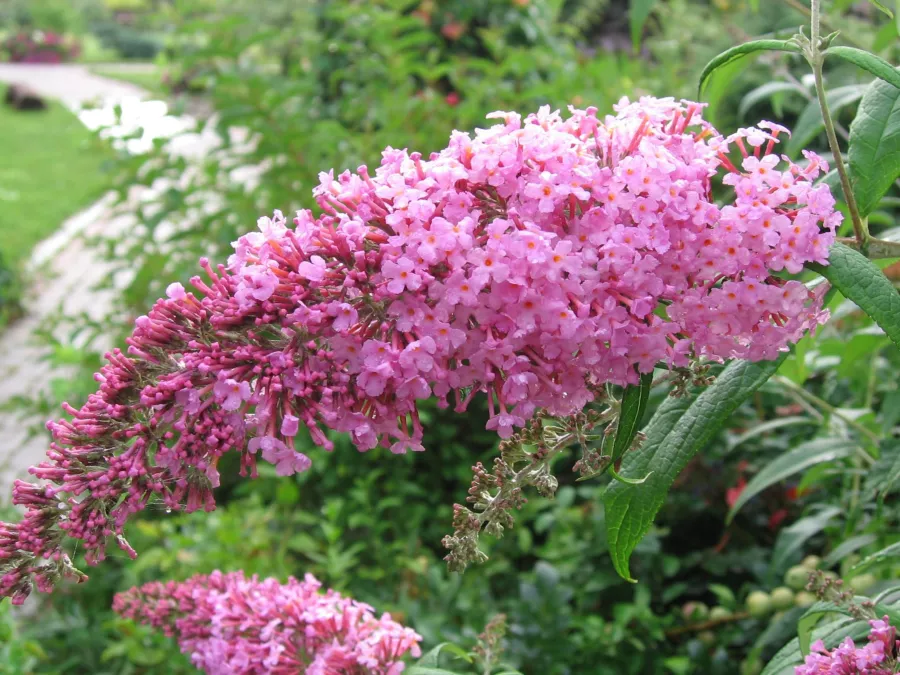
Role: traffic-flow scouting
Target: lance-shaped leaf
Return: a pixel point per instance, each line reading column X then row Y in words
column 810, row 123
column 884, row 476
column 678, row 430
column 887, row 554
column 862, row 281
column 874, row 152
column 634, row 405
column 791, row 539
column 883, row 8
column 867, row 61
column 800, row 458
column 851, row 545
column 638, row 13
column 741, row 51
column 767, row 91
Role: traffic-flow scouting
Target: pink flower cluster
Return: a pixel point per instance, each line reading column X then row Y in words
column 536, row 261
column 232, row 625
column 877, row 657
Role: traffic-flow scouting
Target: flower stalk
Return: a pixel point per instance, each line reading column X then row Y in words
column 816, row 58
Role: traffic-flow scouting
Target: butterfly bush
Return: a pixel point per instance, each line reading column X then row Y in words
column 536, row 261
column 877, row 657
column 233, row 625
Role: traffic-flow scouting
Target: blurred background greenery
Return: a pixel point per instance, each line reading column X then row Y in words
column 315, row 84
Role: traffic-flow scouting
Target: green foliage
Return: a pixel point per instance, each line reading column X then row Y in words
column 874, row 152
column 810, row 123
column 128, row 42
column 634, row 405
column 794, row 461
column 638, row 13
column 680, row 429
column 17, row 653
column 863, row 283
column 867, row 61
column 10, row 293
column 740, row 51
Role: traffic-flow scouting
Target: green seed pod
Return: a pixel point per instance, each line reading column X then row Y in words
column 804, row 599
column 695, row 611
column 811, row 562
column 863, row 582
column 719, row 613
column 782, row 597
column 759, row 605
column 797, row 577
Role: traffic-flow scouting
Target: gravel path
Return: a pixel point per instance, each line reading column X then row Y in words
column 64, row 270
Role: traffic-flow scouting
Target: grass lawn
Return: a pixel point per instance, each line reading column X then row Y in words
column 50, row 168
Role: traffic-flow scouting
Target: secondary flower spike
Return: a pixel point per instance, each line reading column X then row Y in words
column 534, row 261
column 233, row 625
column 876, row 657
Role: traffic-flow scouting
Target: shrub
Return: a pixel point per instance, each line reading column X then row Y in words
column 39, row 47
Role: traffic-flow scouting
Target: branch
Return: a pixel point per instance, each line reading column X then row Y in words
column 877, row 248
column 707, row 625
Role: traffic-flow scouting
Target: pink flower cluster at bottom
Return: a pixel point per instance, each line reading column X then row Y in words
column 234, row 625
column 875, row 658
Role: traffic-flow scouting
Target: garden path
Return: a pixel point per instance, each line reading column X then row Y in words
column 64, row 268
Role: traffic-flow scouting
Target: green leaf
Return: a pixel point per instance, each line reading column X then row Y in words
column 771, row 425
column 811, row 617
column 419, row 670
column 874, row 152
column 800, row 458
column 884, row 475
column 638, row 13
column 886, row 554
column 628, row 481
column 867, row 61
column 810, row 123
column 846, row 548
column 886, row 35
column 791, row 539
column 634, row 405
column 859, row 280
column 724, row 595
column 717, row 88
column 678, row 430
column 432, row 659
column 764, row 92
column 883, row 8
column 779, row 631
column 740, row 51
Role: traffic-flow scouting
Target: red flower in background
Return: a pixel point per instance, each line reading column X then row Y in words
column 777, row 518
column 733, row 493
